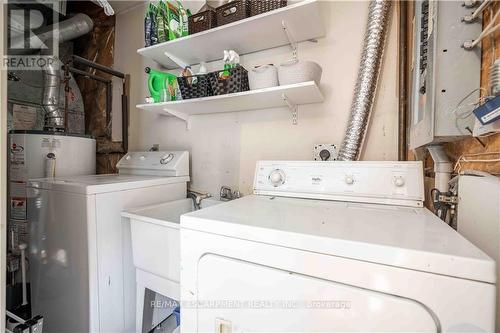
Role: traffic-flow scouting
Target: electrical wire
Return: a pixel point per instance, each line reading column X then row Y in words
column 480, row 9
column 466, row 159
column 470, row 107
column 490, row 28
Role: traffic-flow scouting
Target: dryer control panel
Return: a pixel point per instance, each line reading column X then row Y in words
column 396, row 183
column 155, row 163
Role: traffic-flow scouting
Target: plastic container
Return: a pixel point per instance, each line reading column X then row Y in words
column 261, row 6
column 202, row 21
column 195, row 86
column 232, row 12
column 297, row 71
column 263, row 77
column 237, row 81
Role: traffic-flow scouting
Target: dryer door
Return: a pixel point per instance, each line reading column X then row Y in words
column 239, row 296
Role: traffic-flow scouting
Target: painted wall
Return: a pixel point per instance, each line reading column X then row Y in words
column 225, row 147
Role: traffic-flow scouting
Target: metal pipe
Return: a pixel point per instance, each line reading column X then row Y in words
column 76, row 26
column 88, row 75
column 54, row 116
column 366, row 83
column 403, row 80
column 102, row 68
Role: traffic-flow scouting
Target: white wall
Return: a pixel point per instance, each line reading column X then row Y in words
column 225, row 147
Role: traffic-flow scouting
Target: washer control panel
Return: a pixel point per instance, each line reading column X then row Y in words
column 399, row 183
column 155, row 163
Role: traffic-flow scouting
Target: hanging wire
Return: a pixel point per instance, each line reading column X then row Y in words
column 489, row 29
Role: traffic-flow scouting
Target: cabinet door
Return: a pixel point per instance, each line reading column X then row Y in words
column 239, row 296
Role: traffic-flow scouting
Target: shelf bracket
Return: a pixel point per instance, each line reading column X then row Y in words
column 294, row 109
column 182, row 116
column 178, row 61
column 291, row 40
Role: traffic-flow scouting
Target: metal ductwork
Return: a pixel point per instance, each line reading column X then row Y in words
column 54, row 116
column 74, row 27
column 366, row 83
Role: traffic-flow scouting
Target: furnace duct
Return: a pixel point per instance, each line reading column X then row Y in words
column 74, row 27
column 366, row 83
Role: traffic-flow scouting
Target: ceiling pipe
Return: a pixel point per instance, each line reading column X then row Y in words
column 69, row 29
column 366, row 83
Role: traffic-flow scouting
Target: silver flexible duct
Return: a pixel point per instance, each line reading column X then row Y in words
column 74, row 27
column 54, row 116
column 366, row 83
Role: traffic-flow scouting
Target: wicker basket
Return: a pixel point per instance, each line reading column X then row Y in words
column 296, row 71
column 263, row 77
column 237, row 81
column 202, row 21
column 261, row 6
column 201, row 87
column 232, row 12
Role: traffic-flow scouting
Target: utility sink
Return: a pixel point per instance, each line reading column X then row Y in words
column 156, row 236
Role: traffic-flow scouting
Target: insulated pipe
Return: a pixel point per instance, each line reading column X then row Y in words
column 54, row 115
column 366, row 83
column 74, row 27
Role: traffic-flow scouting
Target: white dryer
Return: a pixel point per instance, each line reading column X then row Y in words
column 82, row 272
column 332, row 247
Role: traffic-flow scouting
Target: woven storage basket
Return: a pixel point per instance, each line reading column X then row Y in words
column 296, row 71
column 236, row 82
column 202, row 21
column 232, row 12
column 263, row 77
column 261, row 6
column 199, row 89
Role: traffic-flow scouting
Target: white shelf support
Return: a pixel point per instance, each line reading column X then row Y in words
column 294, row 109
column 182, row 116
column 178, row 61
column 293, row 42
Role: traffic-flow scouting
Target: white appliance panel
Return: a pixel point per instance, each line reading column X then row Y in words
column 478, row 217
column 333, row 229
column 104, row 260
column 399, row 236
column 256, row 298
column 156, row 163
column 397, row 183
column 58, row 250
column 456, row 305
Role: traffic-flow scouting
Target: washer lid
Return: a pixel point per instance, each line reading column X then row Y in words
column 92, row 184
column 411, row 238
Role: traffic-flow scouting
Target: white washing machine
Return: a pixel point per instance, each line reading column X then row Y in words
column 332, row 247
column 82, row 273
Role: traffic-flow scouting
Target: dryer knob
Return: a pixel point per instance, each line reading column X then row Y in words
column 167, row 158
column 399, row 181
column 277, row 177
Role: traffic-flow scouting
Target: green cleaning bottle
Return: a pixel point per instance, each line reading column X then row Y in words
column 162, row 86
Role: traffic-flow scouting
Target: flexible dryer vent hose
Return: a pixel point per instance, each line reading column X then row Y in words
column 366, row 83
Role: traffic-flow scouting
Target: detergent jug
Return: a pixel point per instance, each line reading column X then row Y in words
column 162, row 86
